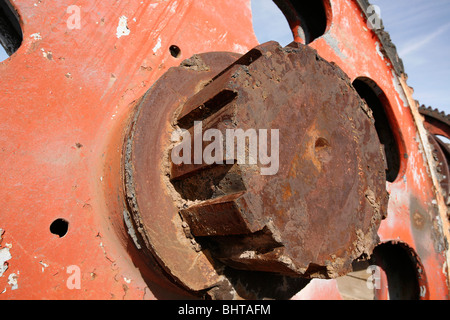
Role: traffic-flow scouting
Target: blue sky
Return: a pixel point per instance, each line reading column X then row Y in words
column 3, row 54
column 421, row 31
column 419, row 28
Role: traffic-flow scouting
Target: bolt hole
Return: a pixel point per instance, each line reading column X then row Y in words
column 322, row 149
column 377, row 101
column 406, row 279
column 175, row 51
column 10, row 30
column 321, row 143
column 59, row 227
column 288, row 20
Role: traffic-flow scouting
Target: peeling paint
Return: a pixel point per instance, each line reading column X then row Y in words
column 334, row 44
column 131, row 231
column 127, row 280
column 399, row 89
column 157, row 46
column 122, row 28
column 48, row 55
column 423, row 291
column 12, row 281
column 5, row 255
column 36, row 36
column 44, row 265
column 378, row 50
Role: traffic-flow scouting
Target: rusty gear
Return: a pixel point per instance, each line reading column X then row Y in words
column 318, row 213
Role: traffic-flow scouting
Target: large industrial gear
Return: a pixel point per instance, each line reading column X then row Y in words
column 98, row 95
column 440, row 116
column 438, row 125
column 234, row 213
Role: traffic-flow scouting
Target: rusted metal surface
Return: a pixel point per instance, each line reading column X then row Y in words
column 64, row 118
column 66, row 106
column 437, row 123
column 148, row 189
column 284, row 222
column 414, row 189
column 280, row 223
column 441, row 154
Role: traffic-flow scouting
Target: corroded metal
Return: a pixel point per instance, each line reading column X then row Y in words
column 66, row 106
column 152, row 202
column 437, row 124
column 311, row 218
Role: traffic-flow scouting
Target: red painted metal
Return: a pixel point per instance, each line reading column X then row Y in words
column 67, row 95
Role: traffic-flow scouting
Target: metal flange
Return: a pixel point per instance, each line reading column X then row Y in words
column 318, row 212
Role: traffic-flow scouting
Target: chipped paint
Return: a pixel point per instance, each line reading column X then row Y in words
column 334, row 44
column 44, row 265
column 416, row 168
column 423, row 291
column 378, row 50
column 48, row 55
column 36, row 36
column 127, row 280
column 122, row 28
column 157, row 46
column 5, row 255
column 12, row 281
column 130, row 228
column 399, row 89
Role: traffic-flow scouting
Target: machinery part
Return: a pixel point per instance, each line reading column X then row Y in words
column 62, row 153
column 371, row 94
column 441, row 154
column 437, row 124
column 308, row 20
column 319, row 212
column 401, row 268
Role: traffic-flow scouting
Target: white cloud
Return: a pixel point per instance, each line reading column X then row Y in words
column 423, row 42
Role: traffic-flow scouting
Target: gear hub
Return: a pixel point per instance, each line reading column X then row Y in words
column 310, row 214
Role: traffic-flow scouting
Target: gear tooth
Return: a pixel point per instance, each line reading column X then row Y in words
column 435, row 113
